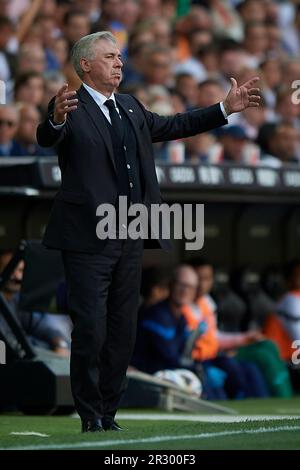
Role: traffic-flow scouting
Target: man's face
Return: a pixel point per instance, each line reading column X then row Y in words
column 233, row 147
column 187, row 86
column 32, row 91
column 231, row 62
column 105, row 70
column 205, row 278
column 184, row 288
column 14, row 284
column 77, row 27
column 111, row 9
column 32, row 59
column 256, row 40
column 285, row 142
column 8, row 124
column 210, row 94
column 29, row 119
column 158, row 68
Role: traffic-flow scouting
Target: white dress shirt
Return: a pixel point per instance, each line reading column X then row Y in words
column 99, row 100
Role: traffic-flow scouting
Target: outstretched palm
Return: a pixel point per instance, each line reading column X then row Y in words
column 242, row 97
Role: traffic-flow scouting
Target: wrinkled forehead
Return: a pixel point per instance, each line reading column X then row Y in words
column 105, row 46
column 187, row 275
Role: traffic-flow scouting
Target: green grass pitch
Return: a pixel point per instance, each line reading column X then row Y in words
column 266, row 424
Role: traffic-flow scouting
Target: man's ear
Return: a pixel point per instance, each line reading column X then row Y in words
column 85, row 64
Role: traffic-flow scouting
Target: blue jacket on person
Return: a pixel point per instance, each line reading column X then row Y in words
column 161, row 338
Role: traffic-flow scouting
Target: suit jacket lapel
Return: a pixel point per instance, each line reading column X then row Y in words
column 121, row 100
column 97, row 117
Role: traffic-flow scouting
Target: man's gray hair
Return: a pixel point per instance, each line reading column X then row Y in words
column 84, row 48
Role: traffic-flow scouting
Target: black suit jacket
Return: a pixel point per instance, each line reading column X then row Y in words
column 88, row 168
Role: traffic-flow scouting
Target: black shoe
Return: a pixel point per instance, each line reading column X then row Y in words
column 94, row 425
column 110, row 424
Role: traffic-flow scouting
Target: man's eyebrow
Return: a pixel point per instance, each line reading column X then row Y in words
column 114, row 53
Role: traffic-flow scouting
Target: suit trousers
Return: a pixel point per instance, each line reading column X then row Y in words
column 103, row 295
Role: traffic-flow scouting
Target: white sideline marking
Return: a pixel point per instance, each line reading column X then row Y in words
column 203, row 418
column 149, row 440
column 28, row 433
column 219, row 418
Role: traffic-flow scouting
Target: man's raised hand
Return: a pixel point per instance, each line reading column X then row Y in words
column 64, row 104
column 242, row 97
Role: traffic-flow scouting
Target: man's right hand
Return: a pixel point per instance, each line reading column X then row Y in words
column 64, row 104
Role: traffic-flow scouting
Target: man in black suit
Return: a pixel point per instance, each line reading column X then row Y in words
column 104, row 143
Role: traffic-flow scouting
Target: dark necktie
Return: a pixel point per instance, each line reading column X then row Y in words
column 115, row 118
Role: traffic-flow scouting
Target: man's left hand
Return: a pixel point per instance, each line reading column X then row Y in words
column 242, row 97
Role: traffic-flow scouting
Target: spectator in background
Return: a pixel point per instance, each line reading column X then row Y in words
column 249, row 348
column 197, row 39
column 76, row 24
column 272, row 75
column 29, row 88
column 252, row 10
column 149, row 9
column 283, row 325
column 251, row 122
column 130, row 13
column 9, row 120
column 13, row 8
column 154, row 285
column 186, row 85
column 198, row 147
column 63, row 7
column 157, row 66
column 177, row 102
column 288, row 307
column 286, row 109
column 7, row 59
column 91, row 7
column 161, row 30
column 26, row 132
column 282, row 143
column 291, row 38
column 111, row 19
column 243, row 379
column 163, row 334
column 208, row 56
column 234, row 147
column 291, row 71
column 31, row 58
column 232, row 58
column 210, row 91
column 53, row 81
column 255, row 43
column 226, row 20
column 139, row 40
column 60, row 50
column 110, row 13
column 48, row 33
column 45, row 330
column 274, row 40
column 163, row 329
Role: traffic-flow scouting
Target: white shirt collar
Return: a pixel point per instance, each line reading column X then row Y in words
column 98, row 97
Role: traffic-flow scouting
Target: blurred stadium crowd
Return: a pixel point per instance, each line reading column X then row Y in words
column 177, row 55
column 216, row 335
